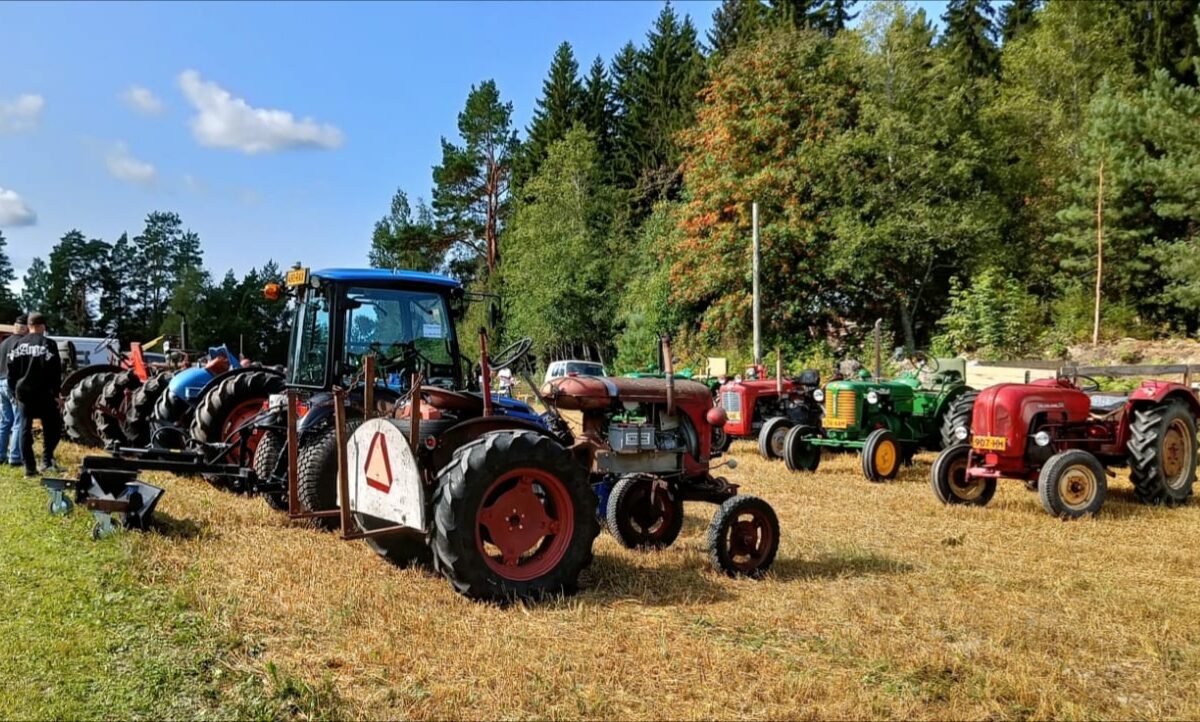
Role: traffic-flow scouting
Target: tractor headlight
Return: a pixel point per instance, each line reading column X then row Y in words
column 872, row 397
column 961, row 433
column 1041, row 438
column 818, row 395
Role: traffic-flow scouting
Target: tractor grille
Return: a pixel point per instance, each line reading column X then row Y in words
column 730, row 401
column 842, row 409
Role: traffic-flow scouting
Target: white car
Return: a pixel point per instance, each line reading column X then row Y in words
column 572, row 367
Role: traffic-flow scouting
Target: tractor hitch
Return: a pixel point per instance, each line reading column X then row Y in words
column 115, row 498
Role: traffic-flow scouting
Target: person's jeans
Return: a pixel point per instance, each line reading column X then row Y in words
column 11, row 421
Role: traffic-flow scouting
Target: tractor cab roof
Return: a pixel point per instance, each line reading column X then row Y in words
column 385, row 276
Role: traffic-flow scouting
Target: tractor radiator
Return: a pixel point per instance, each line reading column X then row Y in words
column 842, row 408
column 730, row 401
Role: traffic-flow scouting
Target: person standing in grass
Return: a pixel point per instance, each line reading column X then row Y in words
column 34, row 378
column 11, row 418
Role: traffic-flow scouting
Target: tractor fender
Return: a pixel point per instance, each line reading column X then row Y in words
column 1153, row 393
column 467, row 431
column 72, row 380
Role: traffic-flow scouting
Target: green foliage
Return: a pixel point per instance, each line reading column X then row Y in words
column 646, row 310
column 401, row 240
column 1017, row 17
column 556, row 112
column 993, row 317
column 970, row 37
column 1072, row 312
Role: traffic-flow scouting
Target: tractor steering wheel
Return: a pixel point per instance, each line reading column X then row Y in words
column 512, row 354
column 1091, row 385
column 923, row 362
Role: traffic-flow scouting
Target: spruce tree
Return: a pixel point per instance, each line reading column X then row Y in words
column 556, row 112
column 623, row 77
column 970, row 37
column 9, row 307
column 733, row 23
column 36, row 292
column 597, row 108
column 1017, row 17
column 799, row 14
column 833, row 16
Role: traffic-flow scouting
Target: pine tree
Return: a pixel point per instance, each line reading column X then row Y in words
column 834, row 15
column 969, row 37
column 556, row 112
column 165, row 254
column 470, row 196
column 36, row 292
column 735, row 22
column 798, row 14
column 117, row 299
column 1017, row 17
column 402, row 241
column 597, row 110
column 76, row 267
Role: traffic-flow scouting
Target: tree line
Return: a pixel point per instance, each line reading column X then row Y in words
column 963, row 184
column 138, row 288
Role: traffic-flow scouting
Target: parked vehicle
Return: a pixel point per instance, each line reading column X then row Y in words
column 573, row 367
column 766, row 409
column 1062, row 435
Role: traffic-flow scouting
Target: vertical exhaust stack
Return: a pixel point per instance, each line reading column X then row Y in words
column 878, row 349
column 669, row 368
column 778, row 373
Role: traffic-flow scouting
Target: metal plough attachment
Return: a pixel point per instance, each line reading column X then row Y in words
column 115, row 497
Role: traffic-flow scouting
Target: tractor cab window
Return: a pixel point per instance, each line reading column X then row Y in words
column 408, row 330
column 309, row 354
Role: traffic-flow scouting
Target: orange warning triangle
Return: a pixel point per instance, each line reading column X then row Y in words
column 378, row 468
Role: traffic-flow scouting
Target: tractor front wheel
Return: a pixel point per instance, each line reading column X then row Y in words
column 743, row 537
column 798, row 453
column 950, row 482
column 1072, row 484
column 643, row 513
column 1162, row 454
column 771, row 436
column 881, row 456
column 514, row 517
column 267, row 459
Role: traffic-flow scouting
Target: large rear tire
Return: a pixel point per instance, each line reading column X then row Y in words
column 78, row 419
column 111, row 408
column 958, row 415
column 771, row 437
column 514, row 517
column 227, row 407
column 141, row 408
column 1162, row 454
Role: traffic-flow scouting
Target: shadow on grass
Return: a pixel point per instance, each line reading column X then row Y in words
column 174, row 528
column 683, row 579
column 836, row 566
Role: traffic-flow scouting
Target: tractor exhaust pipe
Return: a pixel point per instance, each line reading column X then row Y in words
column 778, row 373
column 669, row 369
column 878, row 349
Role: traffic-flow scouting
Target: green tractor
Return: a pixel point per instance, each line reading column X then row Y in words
column 888, row 421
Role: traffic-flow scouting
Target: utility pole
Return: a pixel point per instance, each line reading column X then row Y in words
column 757, row 328
column 1099, row 253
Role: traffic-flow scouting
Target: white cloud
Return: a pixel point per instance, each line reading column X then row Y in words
column 21, row 114
column 223, row 121
column 125, row 167
column 14, row 211
column 141, row 100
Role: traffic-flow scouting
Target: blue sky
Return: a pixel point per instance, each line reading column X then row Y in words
column 109, row 111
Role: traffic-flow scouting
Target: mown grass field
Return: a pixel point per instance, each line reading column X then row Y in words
column 882, row 604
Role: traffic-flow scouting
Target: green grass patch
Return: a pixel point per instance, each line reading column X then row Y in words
column 85, row 638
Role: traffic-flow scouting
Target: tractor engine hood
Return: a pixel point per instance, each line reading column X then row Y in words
column 591, row 393
column 1007, row 410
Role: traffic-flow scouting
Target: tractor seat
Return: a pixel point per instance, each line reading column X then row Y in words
column 1105, row 404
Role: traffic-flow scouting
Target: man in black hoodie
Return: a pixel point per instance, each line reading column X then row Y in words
column 34, row 378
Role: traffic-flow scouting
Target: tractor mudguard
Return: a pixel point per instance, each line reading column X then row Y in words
column 232, row 372
column 467, row 431
column 189, row 384
column 72, row 380
column 1152, row 393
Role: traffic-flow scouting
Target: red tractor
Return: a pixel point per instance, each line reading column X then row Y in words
column 766, row 409
column 1061, row 435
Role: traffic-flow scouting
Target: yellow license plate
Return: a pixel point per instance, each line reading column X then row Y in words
column 991, row 443
column 297, row 277
column 835, row 423
column 733, row 415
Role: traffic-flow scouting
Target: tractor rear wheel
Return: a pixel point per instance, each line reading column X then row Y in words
column 227, row 407
column 881, row 456
column 1162, row 454
column 743, row 537
column 514, row 517
column 642, row 513
column 798, row 452
column 958, row 415
column 771, row 437
column 267, row 455
column 950, row 482
column 109, row 412
column 141, row 408
column 1072, row 484
column 78, row 420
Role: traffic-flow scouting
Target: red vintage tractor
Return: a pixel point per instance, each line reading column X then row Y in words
column 766, row 409
column 1061, row 436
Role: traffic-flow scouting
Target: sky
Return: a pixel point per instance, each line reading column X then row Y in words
column 278, row 131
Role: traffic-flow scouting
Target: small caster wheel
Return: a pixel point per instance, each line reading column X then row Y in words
column 743, row 537
column 102, row 529
column 61, row 506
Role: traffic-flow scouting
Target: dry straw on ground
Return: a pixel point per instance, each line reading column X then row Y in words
column 882, row 603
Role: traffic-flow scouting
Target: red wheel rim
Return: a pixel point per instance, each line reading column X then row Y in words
column 524, row 524
column 240, row 414
column 749, row 539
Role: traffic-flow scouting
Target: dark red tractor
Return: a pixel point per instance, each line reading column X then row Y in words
column 766, row 409
column 1061, row 436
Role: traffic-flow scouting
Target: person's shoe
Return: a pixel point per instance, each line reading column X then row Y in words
column 50, row 466
column 31, row 473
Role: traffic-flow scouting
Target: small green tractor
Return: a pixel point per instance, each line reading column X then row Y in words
column 889, row 421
